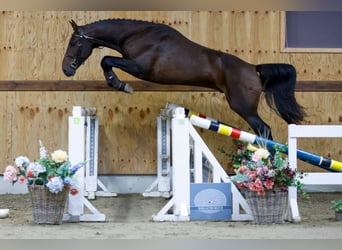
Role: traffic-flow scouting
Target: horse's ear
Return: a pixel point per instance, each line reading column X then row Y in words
column 74, row 25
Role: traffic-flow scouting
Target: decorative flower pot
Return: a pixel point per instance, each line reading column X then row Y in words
column 338, row 215
column 267, row 209
column 48, row 208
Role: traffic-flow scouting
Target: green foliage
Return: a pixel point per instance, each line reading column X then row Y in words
column 337, row 205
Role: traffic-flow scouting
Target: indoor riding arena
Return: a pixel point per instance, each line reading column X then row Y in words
column 151, row 115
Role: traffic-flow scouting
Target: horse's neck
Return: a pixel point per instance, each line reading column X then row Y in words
column 111, row 34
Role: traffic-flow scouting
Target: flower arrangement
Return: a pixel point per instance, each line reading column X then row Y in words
column 54, row 172
column 257, row 170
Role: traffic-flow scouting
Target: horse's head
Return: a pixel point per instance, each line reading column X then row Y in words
column 79, row 49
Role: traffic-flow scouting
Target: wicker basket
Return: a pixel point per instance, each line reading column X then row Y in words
column 48, row 208
column 267, row 209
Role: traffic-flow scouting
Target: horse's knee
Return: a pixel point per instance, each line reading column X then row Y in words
column 105, row 62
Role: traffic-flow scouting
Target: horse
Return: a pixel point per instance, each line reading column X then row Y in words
column 158, row 53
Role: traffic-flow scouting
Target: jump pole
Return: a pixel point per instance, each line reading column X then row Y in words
column 317, row 160
column 222, row 128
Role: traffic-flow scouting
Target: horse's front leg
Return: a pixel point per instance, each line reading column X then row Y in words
column 107, row 63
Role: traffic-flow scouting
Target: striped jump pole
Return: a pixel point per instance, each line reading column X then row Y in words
column 188, row 113
column 224, row 129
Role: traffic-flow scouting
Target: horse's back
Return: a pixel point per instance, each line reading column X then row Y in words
column 170, row 57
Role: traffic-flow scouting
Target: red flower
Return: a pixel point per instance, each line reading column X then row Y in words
column 242, row 170
column 242, row 184
column 29, row 173
column 261, row 192
column 21, row 179
column 73, row 191
column 268, row 184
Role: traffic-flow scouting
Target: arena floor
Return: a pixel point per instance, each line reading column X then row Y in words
column 129, row 217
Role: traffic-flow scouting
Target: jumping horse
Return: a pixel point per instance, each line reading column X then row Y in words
column 158, row 53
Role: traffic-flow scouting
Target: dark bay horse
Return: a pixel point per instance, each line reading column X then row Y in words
column 160, row 54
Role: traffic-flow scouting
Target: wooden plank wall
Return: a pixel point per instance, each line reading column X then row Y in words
column 32, row 45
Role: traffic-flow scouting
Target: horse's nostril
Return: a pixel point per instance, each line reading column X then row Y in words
column 68, row 72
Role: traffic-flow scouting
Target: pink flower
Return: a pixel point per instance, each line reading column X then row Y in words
column 258, row 183
column 256, row 157
column 262, row 171
column 257, row 187
column 10, row 174
column 252, row 175
column 252, row 186
column 21, row 179
column 259, row 171
column 269, row 184
column 242, row 169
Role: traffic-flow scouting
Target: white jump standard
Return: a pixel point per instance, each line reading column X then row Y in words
column 178, row 207
column 83, row 147
column 161, row 187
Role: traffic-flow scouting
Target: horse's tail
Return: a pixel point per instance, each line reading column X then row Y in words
column 279, row 82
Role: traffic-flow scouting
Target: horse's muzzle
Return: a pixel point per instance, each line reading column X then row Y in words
column 69, row 72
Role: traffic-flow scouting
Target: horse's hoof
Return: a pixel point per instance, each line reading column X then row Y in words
column 128, row 89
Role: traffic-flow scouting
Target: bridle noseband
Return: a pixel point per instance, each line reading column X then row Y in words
column 78, row 59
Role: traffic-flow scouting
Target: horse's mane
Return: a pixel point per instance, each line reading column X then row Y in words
column 124, row 20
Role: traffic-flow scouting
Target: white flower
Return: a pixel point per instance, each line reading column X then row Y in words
column 55, row 184
column 262, row 153
column 59, row 156
column 271, row 173
column 36, row 168
column 22, row 161
column 42, row 150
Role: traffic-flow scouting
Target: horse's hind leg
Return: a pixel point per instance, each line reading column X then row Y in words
column 259, row 126
column 246, row 107
column 108, row 62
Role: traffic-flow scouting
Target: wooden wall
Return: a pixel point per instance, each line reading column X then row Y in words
column 32, row 45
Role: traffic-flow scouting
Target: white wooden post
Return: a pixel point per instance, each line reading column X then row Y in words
column 310, row 131
column 76, row 141
column 180, row 163
column 161, row 187
column 77, row 153
column 293, row 211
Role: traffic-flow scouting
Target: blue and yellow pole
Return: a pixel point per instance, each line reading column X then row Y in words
column 205, row 122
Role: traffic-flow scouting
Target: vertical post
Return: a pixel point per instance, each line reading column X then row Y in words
column 164, row 184
column 293, row 211
column 198, row 162
column 180, row 164
column 91, row 154
column 78, row 141
column 76, row 154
